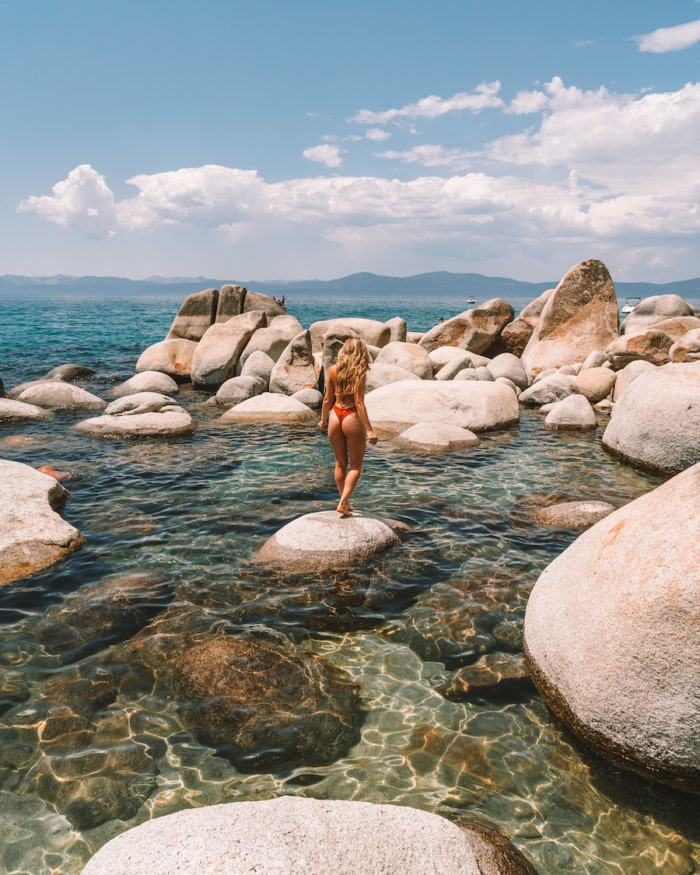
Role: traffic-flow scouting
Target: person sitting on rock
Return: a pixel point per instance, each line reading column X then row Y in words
column 345, row 413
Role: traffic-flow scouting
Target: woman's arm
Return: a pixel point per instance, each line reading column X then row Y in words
column 362, row 414
column 328, row 398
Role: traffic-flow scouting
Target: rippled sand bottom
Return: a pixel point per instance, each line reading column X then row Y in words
column 194, row 511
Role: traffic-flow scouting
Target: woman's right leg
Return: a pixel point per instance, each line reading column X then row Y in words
column 356, row 441
column 340, row 450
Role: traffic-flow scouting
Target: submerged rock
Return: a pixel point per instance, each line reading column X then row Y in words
column 145, row 414
column 264, row 704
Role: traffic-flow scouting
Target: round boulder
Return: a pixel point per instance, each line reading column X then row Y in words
column 435, row 438
column 147, row 381
column 57, row 395
column 409, row 356
column 573, row 413
column 145, row 414
column 300, row 836
column 656, row 422
column 270, row 407
column 325, row 540
column 611, row 634
column 18, row 411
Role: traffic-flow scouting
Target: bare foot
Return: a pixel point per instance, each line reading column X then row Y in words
column 344, row 510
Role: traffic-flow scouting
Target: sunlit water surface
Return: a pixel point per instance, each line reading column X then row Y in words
column 194, row 510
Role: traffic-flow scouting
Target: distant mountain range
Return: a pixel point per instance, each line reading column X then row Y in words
column 439, row 284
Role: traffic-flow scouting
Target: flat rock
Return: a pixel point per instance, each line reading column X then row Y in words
column 611, row 634
column 476, row 406
column 57, row 395
column 18, row 411
column 292, row 835
column 270, row 407
column 437, row 437
column 32, row 534
column 326, row 540
column 145, row 414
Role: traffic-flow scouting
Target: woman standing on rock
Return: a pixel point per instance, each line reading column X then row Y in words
column 345, row 413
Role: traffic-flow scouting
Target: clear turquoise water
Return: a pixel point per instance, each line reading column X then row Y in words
column 195, row 509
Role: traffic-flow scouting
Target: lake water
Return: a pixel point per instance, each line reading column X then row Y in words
column 76, row 769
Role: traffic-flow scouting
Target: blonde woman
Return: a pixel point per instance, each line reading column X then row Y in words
column 345, row 413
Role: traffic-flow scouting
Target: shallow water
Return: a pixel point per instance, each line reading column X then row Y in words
column 192, row 511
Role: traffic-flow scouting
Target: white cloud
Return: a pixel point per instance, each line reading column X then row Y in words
column 430, row 155
column 670, row 39
column 326, row 154
column 82, row 201
column 377, row 134
column 526, row 102
column 484, row 96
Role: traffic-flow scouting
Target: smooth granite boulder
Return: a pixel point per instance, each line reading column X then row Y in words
column 474, row 330
column 57, row 395
column 295, row 369
column 686, row 348
column 265, row 704
column 216, row 356
column 145, row 414
column 258, row 365
column 32, row 534
column 196, row 314
column 577, row 514
column 628, row 374
column 18, row 411
column 293, row 835
column 650, row 346
column 580, row 316
column 516, row 334
column 410, row 357
column 373, row 332
column 381, row 374
column 595, row 383
column 549, row 389
column 656, row 423
column 436, row 438
column 477, row 406
column 573, row 413
column 270, row 407
column 611, row 634
column 147, row 381
column 509, row 366
column 272, row 340
column 397, row 329
column 237, row 390
column 657, row 308
column 325, row 540
column 172, row 357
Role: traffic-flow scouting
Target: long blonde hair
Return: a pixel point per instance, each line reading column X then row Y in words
column 353, row 362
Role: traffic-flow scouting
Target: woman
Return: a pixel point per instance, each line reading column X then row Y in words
column 344, row 411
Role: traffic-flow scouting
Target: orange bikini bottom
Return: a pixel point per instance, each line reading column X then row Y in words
column 342, row 412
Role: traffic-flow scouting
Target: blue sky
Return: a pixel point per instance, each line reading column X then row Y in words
column 273, row 140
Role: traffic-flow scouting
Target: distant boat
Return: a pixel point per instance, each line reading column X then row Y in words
column 471, row 300
column 629, row 305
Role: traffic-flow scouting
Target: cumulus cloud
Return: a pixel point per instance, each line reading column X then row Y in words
column 377, row 134
column 670, row 39
column 484, row 96
column 596, row 171
column 326, row 154
column 83, row 201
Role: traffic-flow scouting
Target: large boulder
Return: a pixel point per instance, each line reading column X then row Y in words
column 656, row 422
column 373, row 333
column 611, row 634
column 325, row 540
column 474, row 330
column 295, row 369
column 32, row 534
column 595, row 383
column 264, row 704
column 145, row 414
column 197, row 312
column 272, row 340
column 381, row 374
column 57, row 395
column 516, row 334
column 217, row 353
column 305, row 836
column 628, row 375
column 573, row 413
column 649, row 346
column 477, row 406
column 657, row 308
column 549, row 389
column 580, row 316
column 172, row 357
column 236, row 390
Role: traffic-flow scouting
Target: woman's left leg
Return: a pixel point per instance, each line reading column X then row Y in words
column 356, row 440
column 340, row 450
